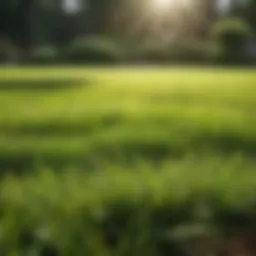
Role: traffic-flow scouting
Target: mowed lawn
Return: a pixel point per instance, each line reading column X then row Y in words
column 87, row 116
column 116, row 160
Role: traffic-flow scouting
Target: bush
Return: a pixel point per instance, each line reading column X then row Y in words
column 231, row 35
column 43, row 55
column 183, row 53
column 6, row 50
column 193, row 52
column 94, row 50
column 153, row 53
column 228, row 30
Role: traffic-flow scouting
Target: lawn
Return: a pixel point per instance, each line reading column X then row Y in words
column 141, row 150
column 84, row 116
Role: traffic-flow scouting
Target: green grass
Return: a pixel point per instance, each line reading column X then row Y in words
column 119, row 212
column 115, row 159
column 123, row 114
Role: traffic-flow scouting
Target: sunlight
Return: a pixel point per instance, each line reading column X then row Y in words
column 165, row 4
column 162, row 4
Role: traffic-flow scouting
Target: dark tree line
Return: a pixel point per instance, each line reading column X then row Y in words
column 28, row 22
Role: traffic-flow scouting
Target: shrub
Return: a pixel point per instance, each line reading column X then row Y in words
column 231, row 35
column 2, row 54
column 231, row 31
column 43, row 55
column 94, row 50
column 182, row 53
column 193, row 52
column 153, row 53
column 6, row 50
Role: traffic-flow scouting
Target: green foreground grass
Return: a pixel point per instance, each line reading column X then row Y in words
column 81, row 117
column 114, row 160
column 119, row 212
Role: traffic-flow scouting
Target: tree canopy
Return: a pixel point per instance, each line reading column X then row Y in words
column 47, row 22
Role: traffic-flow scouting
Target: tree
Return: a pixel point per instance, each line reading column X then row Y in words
column 15, row 20
column 202, row 14
column 24, row 19
column 8, row 24
column 231, row 34
column 245, row 9
column 251, row 14
column 100, row 14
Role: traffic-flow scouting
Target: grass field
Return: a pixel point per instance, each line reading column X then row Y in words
column 98, row 145
column 86, row 116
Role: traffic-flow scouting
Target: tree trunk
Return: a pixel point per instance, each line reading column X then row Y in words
column 24, row 22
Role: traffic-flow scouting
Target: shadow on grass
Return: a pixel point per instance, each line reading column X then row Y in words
column 41, row 84
column 124, row 155
column 59, row 128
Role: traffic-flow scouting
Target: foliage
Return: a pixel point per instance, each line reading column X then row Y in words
column 193, row 52
column 232, row 34
column 43, row 55
column 94, row 50
column 53, row 25
column 6, row 50
column 153, row 54
column 182, row 53
column 245, row 10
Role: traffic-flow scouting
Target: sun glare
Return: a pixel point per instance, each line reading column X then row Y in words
column 165, row 4
column 162, row 3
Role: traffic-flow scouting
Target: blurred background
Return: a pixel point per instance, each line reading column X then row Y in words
column 127, row 127
column 121, row 31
